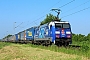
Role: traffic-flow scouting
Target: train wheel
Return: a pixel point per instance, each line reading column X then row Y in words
column 66, row 43
column 32, row 42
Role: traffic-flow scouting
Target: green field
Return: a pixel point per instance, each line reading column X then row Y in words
column 11, row 51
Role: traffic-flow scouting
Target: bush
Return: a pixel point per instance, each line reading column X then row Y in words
column 84, row 48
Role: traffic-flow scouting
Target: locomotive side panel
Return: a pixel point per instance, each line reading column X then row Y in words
column 42, row 34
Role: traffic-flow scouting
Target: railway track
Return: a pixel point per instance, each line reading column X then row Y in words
column 69, row 46
column 74, row 46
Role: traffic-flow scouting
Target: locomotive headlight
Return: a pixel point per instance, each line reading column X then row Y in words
column 57, row 36
column 68, row 36
column 57, row 32
column 68, row 32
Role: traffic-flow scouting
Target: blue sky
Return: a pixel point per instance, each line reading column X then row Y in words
column 27, row 13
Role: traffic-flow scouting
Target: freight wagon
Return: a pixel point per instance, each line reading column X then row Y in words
column 26, row 35
column 30, row 34
column 11, row 38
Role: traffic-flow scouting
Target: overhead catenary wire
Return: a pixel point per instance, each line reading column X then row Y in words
column 51, row 6
column 75, row 12
column 67, row 3
column 76, row 7
column 36, row 20
column 19, row 25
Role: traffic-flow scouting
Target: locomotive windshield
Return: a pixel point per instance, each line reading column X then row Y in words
column 62, row 25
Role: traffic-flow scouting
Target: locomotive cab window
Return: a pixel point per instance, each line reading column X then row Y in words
column 62, row 25
column 66, row 25
column 58, row 25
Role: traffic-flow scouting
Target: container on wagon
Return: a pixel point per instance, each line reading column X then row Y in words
column 30, row 33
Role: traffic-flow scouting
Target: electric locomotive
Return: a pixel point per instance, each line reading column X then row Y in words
column 57, row 32
column 61, row 32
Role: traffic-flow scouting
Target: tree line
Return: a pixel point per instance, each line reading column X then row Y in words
column 80, row 38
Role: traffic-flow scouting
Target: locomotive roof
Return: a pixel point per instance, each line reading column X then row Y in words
column 53, row 22
column 61, row 22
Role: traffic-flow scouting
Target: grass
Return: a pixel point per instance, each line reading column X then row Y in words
column 3, row 44
column 83, row 51
column 35, row 52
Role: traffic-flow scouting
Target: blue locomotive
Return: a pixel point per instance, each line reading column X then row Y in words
column 55, row 32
